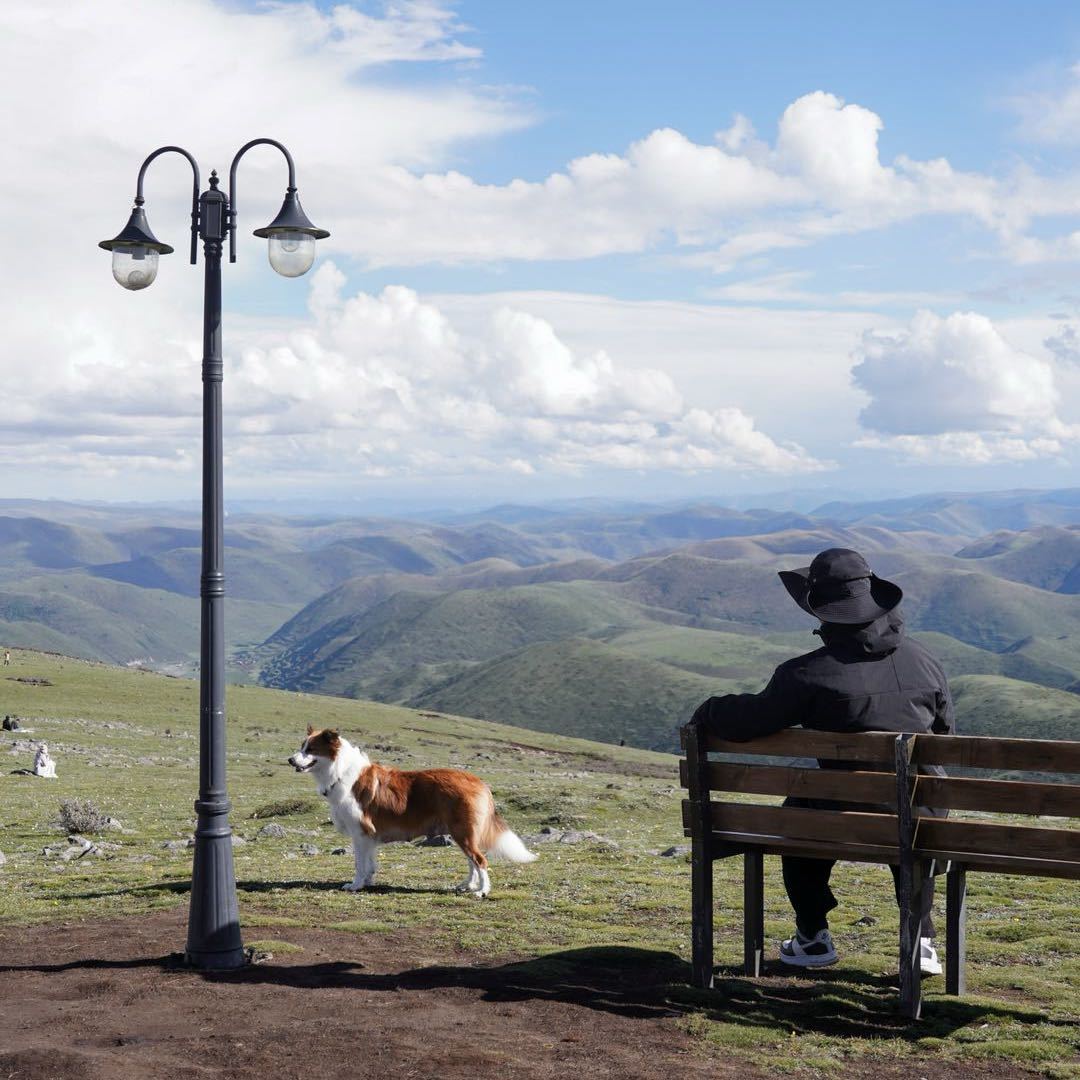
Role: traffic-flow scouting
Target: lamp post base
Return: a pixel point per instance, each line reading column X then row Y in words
column 213, row 942
column 226, row 961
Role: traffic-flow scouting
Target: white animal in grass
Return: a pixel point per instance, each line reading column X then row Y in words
column 44, row 766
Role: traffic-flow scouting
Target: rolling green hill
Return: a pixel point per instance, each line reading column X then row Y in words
column 583, row 688
column 409, row 629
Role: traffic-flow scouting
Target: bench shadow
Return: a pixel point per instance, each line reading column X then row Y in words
column 645, row 983
column 635, row 983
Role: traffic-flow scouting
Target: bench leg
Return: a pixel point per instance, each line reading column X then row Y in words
column 753, row 913
column 701, row 904
column 956, row 930
column 911, row 885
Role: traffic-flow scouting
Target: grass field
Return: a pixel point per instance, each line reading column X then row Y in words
column 127, row 740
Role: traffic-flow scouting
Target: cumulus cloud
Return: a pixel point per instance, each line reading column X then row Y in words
column 373, row 386
column 717, row 202
column 512, row 396
column 954, row 388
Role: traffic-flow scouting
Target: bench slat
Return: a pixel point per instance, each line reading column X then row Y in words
column 867, row 787
column 986, row 838
column 999, row 796
column 839, row 826
column 803, row 742
column 1003, row 864
column 736, row 839
column 983, row 752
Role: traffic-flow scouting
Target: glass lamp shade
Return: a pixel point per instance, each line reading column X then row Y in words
column 134, row 265
column 291, row 252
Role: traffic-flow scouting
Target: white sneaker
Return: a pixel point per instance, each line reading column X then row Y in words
column 816, row 951
column 929, row 964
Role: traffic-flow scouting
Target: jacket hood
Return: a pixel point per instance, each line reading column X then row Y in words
column 877, row 638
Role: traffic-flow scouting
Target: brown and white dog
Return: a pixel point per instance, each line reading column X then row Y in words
column 376, row 804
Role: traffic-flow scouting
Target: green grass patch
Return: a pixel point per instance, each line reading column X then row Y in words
column 127, row 740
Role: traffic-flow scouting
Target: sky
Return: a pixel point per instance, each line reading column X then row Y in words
column 689, row 250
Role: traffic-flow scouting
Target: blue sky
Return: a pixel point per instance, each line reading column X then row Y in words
column 577, row 248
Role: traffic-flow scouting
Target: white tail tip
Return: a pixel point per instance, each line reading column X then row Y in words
column 508, row 845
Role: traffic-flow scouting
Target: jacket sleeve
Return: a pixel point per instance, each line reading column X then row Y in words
column 944, row 716
column 741, row 717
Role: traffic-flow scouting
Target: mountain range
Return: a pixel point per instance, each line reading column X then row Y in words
column 608, row 621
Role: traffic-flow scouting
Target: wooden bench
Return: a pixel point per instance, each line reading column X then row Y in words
column 885, row 774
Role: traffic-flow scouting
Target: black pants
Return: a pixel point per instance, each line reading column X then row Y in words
column 807, row 884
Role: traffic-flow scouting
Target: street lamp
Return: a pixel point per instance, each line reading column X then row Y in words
column 214, row 920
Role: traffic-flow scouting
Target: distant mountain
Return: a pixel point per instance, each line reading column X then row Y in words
column 971, row 515
column 637, row 603
column 1047, row 557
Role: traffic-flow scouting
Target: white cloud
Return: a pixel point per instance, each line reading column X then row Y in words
column 373, row 386
column 955, row 389
column 1051, row 114
column 396, row 364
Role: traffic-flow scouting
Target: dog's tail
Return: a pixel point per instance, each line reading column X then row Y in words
column 501, row 842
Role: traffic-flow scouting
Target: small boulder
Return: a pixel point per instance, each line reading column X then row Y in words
column 340, row 851
column 438, row 840
column 308, row 849
column 675, row 851
column 273, row 830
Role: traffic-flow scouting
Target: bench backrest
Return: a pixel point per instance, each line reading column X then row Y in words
column 882, row 771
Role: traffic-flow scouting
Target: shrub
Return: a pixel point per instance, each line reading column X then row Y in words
column 284, row 807
column 82, row 816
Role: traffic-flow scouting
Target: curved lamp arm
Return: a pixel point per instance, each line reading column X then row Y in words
column 139, row 200
column 232, row 185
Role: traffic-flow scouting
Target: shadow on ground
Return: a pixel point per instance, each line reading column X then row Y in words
column 632, row 982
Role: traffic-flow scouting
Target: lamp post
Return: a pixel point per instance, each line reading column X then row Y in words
column 213, row 921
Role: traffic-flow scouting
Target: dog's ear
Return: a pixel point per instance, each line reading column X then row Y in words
column 310, row 729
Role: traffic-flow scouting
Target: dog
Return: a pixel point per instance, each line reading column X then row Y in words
column 376, row 804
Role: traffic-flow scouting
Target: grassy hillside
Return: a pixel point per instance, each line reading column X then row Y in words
column 127, row 741
column 582, row 688
column 1048, row 558
column 91, row 617
column 409, row 629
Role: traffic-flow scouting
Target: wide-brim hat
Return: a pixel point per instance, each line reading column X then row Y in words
column 839, row 587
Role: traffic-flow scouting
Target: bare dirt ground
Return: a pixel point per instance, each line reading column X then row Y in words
column 108, row 1001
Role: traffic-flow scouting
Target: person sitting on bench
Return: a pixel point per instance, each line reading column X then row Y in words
column 867, row 676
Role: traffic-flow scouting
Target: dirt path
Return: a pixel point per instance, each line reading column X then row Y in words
column 103, row 1001
column 107, row 1001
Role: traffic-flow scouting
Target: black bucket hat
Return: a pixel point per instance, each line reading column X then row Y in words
column 839, row 587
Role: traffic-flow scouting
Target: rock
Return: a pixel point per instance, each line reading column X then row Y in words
column 112, row 825
column 308, row 849
column 336, row 851
column 174, row 845
column 545, row 836
column 676, row 850
column 581, row 836
column 438, row 840
column 866, row 920
column 3, row 858
column 273, row 829
column 237, row 840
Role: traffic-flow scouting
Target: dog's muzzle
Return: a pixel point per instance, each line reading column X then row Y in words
column 301, row 762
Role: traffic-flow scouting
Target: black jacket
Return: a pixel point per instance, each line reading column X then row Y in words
column 870, row 678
